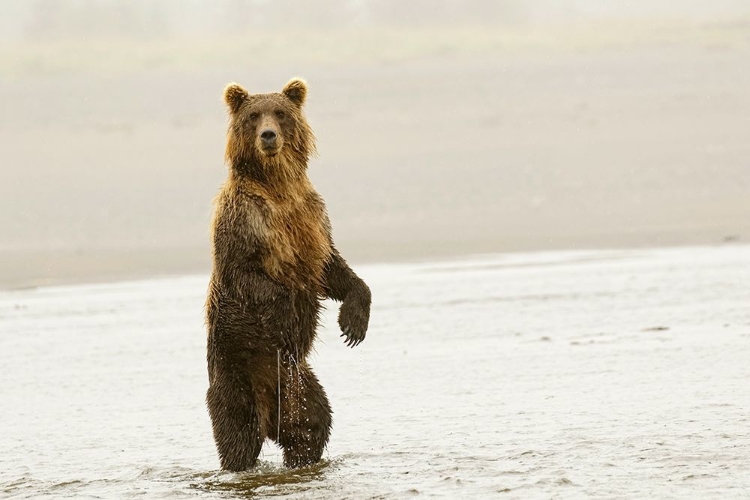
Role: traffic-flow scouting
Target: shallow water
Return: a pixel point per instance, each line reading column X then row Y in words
column 566, row 375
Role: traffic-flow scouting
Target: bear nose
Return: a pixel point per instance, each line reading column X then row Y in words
column 268, row 136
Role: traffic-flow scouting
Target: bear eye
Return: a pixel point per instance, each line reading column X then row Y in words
column 254, row 115
column 280, row 114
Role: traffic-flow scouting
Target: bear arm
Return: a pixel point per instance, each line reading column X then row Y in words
column 342, row 284
column 339, row 281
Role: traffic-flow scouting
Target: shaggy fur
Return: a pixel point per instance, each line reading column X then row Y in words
column 273, row 262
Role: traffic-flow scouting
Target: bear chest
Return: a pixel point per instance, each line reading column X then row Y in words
column 296, row 240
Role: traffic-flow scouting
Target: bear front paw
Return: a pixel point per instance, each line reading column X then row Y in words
column 353, row 320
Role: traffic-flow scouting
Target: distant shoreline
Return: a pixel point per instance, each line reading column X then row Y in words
column 37, row 269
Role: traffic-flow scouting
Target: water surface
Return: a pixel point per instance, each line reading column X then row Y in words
column 560, row 374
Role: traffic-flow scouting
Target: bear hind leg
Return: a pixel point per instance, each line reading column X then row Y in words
column 235, row 422
column 305, row 420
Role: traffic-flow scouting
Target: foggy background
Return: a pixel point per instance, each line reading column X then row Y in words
column 444, row 128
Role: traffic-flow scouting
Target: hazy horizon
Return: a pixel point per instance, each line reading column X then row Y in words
column 443, row 131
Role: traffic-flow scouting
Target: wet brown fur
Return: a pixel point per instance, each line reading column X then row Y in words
column 274, row 261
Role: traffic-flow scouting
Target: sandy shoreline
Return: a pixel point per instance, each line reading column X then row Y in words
column 24, row 270
column 532, row 146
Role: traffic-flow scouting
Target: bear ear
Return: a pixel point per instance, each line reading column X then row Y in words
column 296, row 91
column 234, row 96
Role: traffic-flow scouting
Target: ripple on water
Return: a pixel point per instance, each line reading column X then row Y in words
column 266, row 478
column 442, row 400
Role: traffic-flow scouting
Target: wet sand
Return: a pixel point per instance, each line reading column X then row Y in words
column 604, row 137
column 615, row 374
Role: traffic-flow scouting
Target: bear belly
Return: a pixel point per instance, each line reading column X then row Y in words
column 240, row 332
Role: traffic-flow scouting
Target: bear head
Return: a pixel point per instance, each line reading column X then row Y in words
column 269, row 137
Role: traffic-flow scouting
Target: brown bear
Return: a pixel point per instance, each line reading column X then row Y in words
column 273, row 262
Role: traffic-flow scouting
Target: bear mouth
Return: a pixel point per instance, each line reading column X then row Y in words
column 270, row 151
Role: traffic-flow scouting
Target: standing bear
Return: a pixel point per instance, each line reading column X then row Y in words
column 273, row 262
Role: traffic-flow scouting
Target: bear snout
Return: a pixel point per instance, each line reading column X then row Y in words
column 268, row 138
